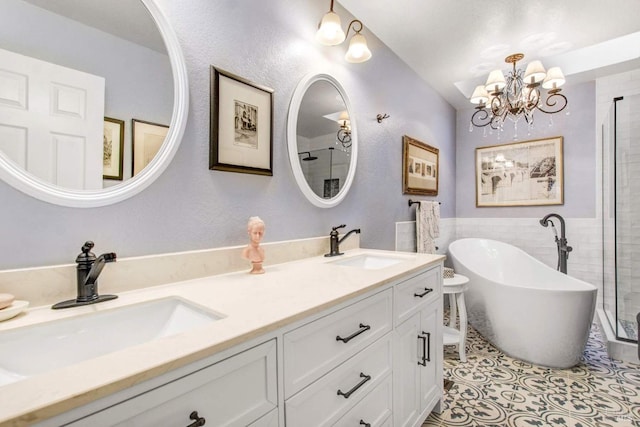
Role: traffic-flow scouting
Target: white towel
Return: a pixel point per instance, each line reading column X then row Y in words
column 427, row 226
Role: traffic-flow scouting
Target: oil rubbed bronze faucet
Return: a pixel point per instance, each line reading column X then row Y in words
column 335, row 242
column 561, row 242
column 88, row 269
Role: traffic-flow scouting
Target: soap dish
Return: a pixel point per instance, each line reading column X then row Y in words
column 13, row 310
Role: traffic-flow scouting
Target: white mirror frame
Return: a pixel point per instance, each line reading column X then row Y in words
column 29, row 184
column 292, row 141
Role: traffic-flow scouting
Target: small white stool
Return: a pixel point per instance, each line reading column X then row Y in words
column 455, row 287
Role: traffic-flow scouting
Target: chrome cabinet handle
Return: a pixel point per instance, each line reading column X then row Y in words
column 363, row 328
column 199, row 421
column 426, row 291
column 426, row 348
column 362, row 423
column 356, row 387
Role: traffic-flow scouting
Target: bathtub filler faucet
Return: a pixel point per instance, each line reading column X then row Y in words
column 335, row 242
column 88, row 269
column 561, row 242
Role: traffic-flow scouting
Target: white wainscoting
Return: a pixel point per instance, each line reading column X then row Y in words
column 406, row 235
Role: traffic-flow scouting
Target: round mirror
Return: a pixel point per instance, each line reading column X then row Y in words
column 93, row 98
column 322, row 140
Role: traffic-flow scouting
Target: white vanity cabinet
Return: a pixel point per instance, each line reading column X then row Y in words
column 374, row 359
column 417, row 358
column 238, row 391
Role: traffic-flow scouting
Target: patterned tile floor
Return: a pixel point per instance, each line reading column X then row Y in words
column 493, row 389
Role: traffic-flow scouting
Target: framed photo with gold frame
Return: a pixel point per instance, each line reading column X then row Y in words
column 241, row 135
column 113, row 149
column 147, row 138
column 528, row 173
column 420, row 167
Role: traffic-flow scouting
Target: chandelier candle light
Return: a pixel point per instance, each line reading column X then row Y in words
column 518, row 95
column 330, row 34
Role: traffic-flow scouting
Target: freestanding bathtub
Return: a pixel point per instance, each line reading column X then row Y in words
column 525, row 308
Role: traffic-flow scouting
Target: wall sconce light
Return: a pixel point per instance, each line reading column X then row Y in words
column 381, row 117
column 344, row 132
column 330, row 34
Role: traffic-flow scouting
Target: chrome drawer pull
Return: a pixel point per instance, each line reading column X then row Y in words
column 426, row 291
column 199, row 421
column 426, row 348
column 363, row 328
column 357, row 386
column 362, row 423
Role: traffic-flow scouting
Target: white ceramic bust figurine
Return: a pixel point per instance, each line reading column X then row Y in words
column 253, row 252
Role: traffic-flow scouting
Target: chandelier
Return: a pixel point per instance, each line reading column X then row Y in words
column 518, row 95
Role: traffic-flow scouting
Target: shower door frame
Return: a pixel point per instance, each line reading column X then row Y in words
column 613, row 189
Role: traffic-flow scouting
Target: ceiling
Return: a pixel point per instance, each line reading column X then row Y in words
column 127, row 19
column 454, row 44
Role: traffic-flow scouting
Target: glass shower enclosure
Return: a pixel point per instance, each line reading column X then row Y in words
column 621, row 216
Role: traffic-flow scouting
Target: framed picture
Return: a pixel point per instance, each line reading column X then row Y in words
column 520, row 174
column 420, row 167
column 113, row 147
column 241, row 135
column 147, row 138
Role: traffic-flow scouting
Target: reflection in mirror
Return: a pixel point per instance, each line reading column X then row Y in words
column 322, row 140
column 72, row 83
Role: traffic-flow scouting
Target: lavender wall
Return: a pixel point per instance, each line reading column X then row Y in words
column 578, row 131
column 190, row 207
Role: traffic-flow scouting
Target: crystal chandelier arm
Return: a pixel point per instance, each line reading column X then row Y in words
column 556, row 101
column 532, row 98
column 481, row 117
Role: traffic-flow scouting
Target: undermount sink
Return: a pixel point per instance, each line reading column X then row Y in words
column 370, row 261
column 36, row 349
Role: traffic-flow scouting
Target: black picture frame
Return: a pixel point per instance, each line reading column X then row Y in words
column 241, row 128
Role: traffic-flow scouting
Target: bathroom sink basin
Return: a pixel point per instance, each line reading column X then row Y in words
column 370, row 261
column 36, row 349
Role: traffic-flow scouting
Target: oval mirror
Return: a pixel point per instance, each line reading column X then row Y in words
column 322, row 140
column 93, row 98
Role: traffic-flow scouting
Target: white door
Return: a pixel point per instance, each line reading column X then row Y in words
column 51, row 120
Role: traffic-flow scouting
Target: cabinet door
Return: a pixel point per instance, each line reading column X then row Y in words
column 406, row 372
column 417, row 366
column 431, row 356
column 236, row 391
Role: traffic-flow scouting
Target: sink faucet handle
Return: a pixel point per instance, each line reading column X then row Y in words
column 339, row 226
column 88, row 245
column 86, row 257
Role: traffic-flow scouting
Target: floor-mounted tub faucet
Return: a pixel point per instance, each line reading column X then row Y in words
column 561, row 242
column 88, row 269
column 335, row 242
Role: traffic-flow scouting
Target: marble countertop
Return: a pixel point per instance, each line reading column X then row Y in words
column 253, row 305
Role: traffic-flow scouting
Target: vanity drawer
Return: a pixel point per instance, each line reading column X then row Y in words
column 317, row 347
column 329, row 398
column 373, row 409
column 236, row 391
column 414, row 293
